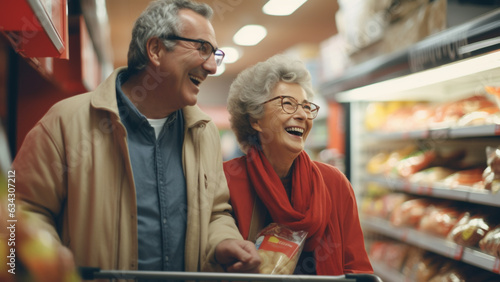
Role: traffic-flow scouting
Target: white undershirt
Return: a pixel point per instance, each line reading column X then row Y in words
column 157, row 124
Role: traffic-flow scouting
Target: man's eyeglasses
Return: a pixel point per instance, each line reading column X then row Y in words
column 205, row 49
column 290, row 106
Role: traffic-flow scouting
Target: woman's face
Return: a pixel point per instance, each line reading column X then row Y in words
column 280, row 132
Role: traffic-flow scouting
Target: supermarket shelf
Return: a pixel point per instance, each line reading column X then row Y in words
column 470, row 39
column 432, row 243
column 489, row 130
column 460, row 193
column 481, row 259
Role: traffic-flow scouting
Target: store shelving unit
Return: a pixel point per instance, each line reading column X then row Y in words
column 444, row 67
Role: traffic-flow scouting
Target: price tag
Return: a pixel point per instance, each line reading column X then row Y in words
column 496, row 266
column 442, row 133
column 459, row 250
column 404, row 235
column 424, row 190
column 407, row 186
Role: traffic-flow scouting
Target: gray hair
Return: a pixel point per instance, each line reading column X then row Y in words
column 254, row 86
column 160, row 18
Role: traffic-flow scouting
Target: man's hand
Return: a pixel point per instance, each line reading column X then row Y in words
column 238, row 256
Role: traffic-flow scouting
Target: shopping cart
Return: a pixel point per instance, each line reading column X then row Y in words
column 90, row 273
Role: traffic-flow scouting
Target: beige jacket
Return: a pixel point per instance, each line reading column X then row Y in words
column 74, row 175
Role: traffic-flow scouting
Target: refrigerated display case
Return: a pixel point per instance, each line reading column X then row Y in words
column 451, row 67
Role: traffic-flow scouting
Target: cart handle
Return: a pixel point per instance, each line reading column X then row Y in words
column 91, row 273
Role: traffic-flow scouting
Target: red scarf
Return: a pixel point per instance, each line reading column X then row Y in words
column 310, row 208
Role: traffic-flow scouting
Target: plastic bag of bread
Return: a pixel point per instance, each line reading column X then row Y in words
column 279, row 248
column 490, row 244
column 415, row 162
column 491, row 175
column 410, row 212
column 470, row 229
column 439, row 220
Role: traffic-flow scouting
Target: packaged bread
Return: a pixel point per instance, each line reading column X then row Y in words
column 491, row 175
column 490, row 244
column 470, row 229
column 279, row 248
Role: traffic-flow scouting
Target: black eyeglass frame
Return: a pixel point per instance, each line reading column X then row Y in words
column 314, row 113
column 202, row 42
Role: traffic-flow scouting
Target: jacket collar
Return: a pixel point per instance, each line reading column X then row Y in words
column 104, row 97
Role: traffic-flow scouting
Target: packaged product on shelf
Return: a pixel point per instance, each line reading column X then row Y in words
column 415, row 162
column 469, row 178
column 491, row 175
column 430, row 266
column 430, row 175
column 395, row 157
column 495, row 92
column 439, row 219
column 382, row 206
column 489, row 115
column 279, row 248
column 471, row 228
column 390, row 253
column 423, row 159
column 410, row 266
column 410, row 212
column 373, row 28
column 447, row 114
column 490, row 244
column 376, row 164
column 458, row 271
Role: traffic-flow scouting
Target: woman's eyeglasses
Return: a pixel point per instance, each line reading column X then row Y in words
column 290, row 106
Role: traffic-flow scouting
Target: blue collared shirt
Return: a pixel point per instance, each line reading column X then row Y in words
column 160, row 185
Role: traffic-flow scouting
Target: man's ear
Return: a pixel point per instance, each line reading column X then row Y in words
column 154, row 47
column 255, row 124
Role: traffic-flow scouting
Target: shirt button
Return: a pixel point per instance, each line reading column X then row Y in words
column 164, row 221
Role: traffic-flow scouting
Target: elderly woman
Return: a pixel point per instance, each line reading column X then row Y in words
column 276, row 181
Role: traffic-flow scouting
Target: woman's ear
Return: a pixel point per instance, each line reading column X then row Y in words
column 255, row 124
column 153, row 46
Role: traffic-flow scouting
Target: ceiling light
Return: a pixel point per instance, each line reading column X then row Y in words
column 232, row 54
column 250, row 35
column 282, row 7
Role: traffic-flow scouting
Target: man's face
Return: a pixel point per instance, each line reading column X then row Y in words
column 184, row 65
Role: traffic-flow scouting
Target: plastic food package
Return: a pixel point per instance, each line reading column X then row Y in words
column 470, row 229
column 491, row 175
column 468, row 177
column 415, row 162
column 279, row 248
column 439, row 220
column 409, row 213
column 430, row 175
column 491, row 242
